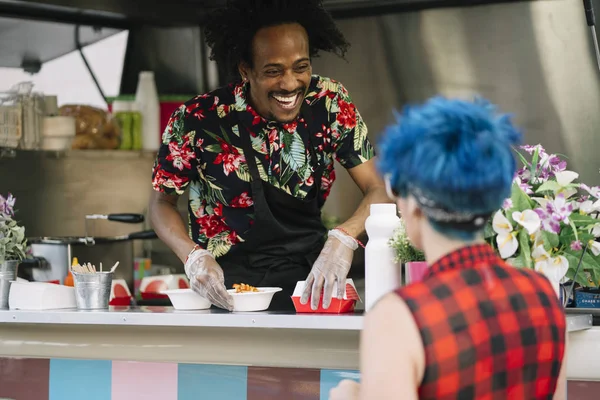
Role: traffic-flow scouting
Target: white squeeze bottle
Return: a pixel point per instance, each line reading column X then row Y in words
column 382, row 273
column 146, row 99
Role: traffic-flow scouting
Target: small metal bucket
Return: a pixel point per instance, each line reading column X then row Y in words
column 8, row 274
column 92, row 290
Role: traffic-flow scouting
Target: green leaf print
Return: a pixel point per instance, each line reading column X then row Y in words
column 258, row 144
column 236, row 130
column 360, row 133
column 212, row 192
column 219, row 245
column 212, row 135
column 213, row 148
column 243, row 173
column 294, row 152
column 224, row 132
column 261, row 171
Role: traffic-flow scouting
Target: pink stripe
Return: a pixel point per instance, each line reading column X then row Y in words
column 141, row 380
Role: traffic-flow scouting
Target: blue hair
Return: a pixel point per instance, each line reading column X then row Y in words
column 457, row 152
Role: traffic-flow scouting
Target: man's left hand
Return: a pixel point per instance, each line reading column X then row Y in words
column 346, row 390
column 332, row 266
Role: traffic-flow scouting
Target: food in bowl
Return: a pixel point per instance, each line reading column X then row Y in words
column 258, row 300
column 244, row 288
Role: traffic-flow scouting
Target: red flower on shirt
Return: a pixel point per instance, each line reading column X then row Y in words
column 211, row 225
column 166, row 179
column 229, row 156
column 242, row 201
column 180, row 156
column 347, row 115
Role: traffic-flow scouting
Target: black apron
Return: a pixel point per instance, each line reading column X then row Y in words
column 287, row 235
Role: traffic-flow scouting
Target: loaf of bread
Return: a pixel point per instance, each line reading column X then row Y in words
column 95, row 128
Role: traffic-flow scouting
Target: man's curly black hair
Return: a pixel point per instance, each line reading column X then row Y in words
column 230, row 30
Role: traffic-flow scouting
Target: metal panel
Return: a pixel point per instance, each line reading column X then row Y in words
column 35, row 42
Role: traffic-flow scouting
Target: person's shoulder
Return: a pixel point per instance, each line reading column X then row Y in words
column 321, row 83
column 209, row 104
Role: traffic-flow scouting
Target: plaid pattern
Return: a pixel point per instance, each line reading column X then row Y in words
column 489, row 330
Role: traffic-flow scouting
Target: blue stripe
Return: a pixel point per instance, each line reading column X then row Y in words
column 80, row 379
column 330, row 379
column 207, row 382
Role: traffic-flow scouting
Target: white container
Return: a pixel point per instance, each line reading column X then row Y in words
column 187, row 299
column 58, row 132
column 40, row 296
column 148, row 104
column 382, row 273
column 253, row 301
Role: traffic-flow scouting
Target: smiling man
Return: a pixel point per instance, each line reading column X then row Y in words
column 257, row 156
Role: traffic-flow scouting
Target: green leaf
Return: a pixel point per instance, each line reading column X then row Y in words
column 549, row 186
column 534, row 162
column 294, row 152
column 218, row 245
column 523, row 160
column 258, row 144
column 589, row 262
column 581, row 278
column 551, row 240
column 224, row 133
column 243, row 173
column 212, row 135
column 525, row 248
column 520, row 200
column 582, row 220
column 213, row 148
column 360, row 133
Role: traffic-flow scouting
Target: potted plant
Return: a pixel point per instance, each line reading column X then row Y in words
column 412, row 258
column 12, row 246
column 550, row 222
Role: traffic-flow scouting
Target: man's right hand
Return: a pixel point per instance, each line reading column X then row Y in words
column 207, row 279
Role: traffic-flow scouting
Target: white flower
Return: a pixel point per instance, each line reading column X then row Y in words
column 541, row 258
column 528, row 219
column 506, row 239
column 557, row 268
column 588, row 206
column 564, row 178
column 501, row 224
column 594, row 247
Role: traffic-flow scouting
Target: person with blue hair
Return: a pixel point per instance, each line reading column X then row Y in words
column 474, row 327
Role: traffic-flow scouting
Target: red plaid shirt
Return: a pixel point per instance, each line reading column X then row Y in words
column 489, row 330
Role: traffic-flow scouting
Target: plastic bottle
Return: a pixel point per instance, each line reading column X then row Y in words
column 120, row 110
column 146, row 98
column 382, row 273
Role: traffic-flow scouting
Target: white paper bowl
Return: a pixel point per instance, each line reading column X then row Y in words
column 253, row 301
column 187, row 299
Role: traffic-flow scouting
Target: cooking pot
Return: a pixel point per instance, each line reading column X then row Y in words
column 52, row 256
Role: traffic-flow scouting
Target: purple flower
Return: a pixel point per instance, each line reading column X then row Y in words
column 7, row 205
column 524, row 186
column 559, row 209
column 507, row 204
column 576, row 245
column 531, row 149
column 548, row 223
column 594, row 191
column 524, row 174
column 556, row 164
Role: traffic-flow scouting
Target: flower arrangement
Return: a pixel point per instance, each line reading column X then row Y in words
column 13, row 243
column 403, row 248
column 550, row 222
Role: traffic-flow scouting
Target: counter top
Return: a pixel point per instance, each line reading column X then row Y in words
column 168, row 316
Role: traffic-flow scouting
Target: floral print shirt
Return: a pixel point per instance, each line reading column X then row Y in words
column 201, row 148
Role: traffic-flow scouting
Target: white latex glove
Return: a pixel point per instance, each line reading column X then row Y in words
column 207, row 279
column 332, row 266
column 346, row 390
